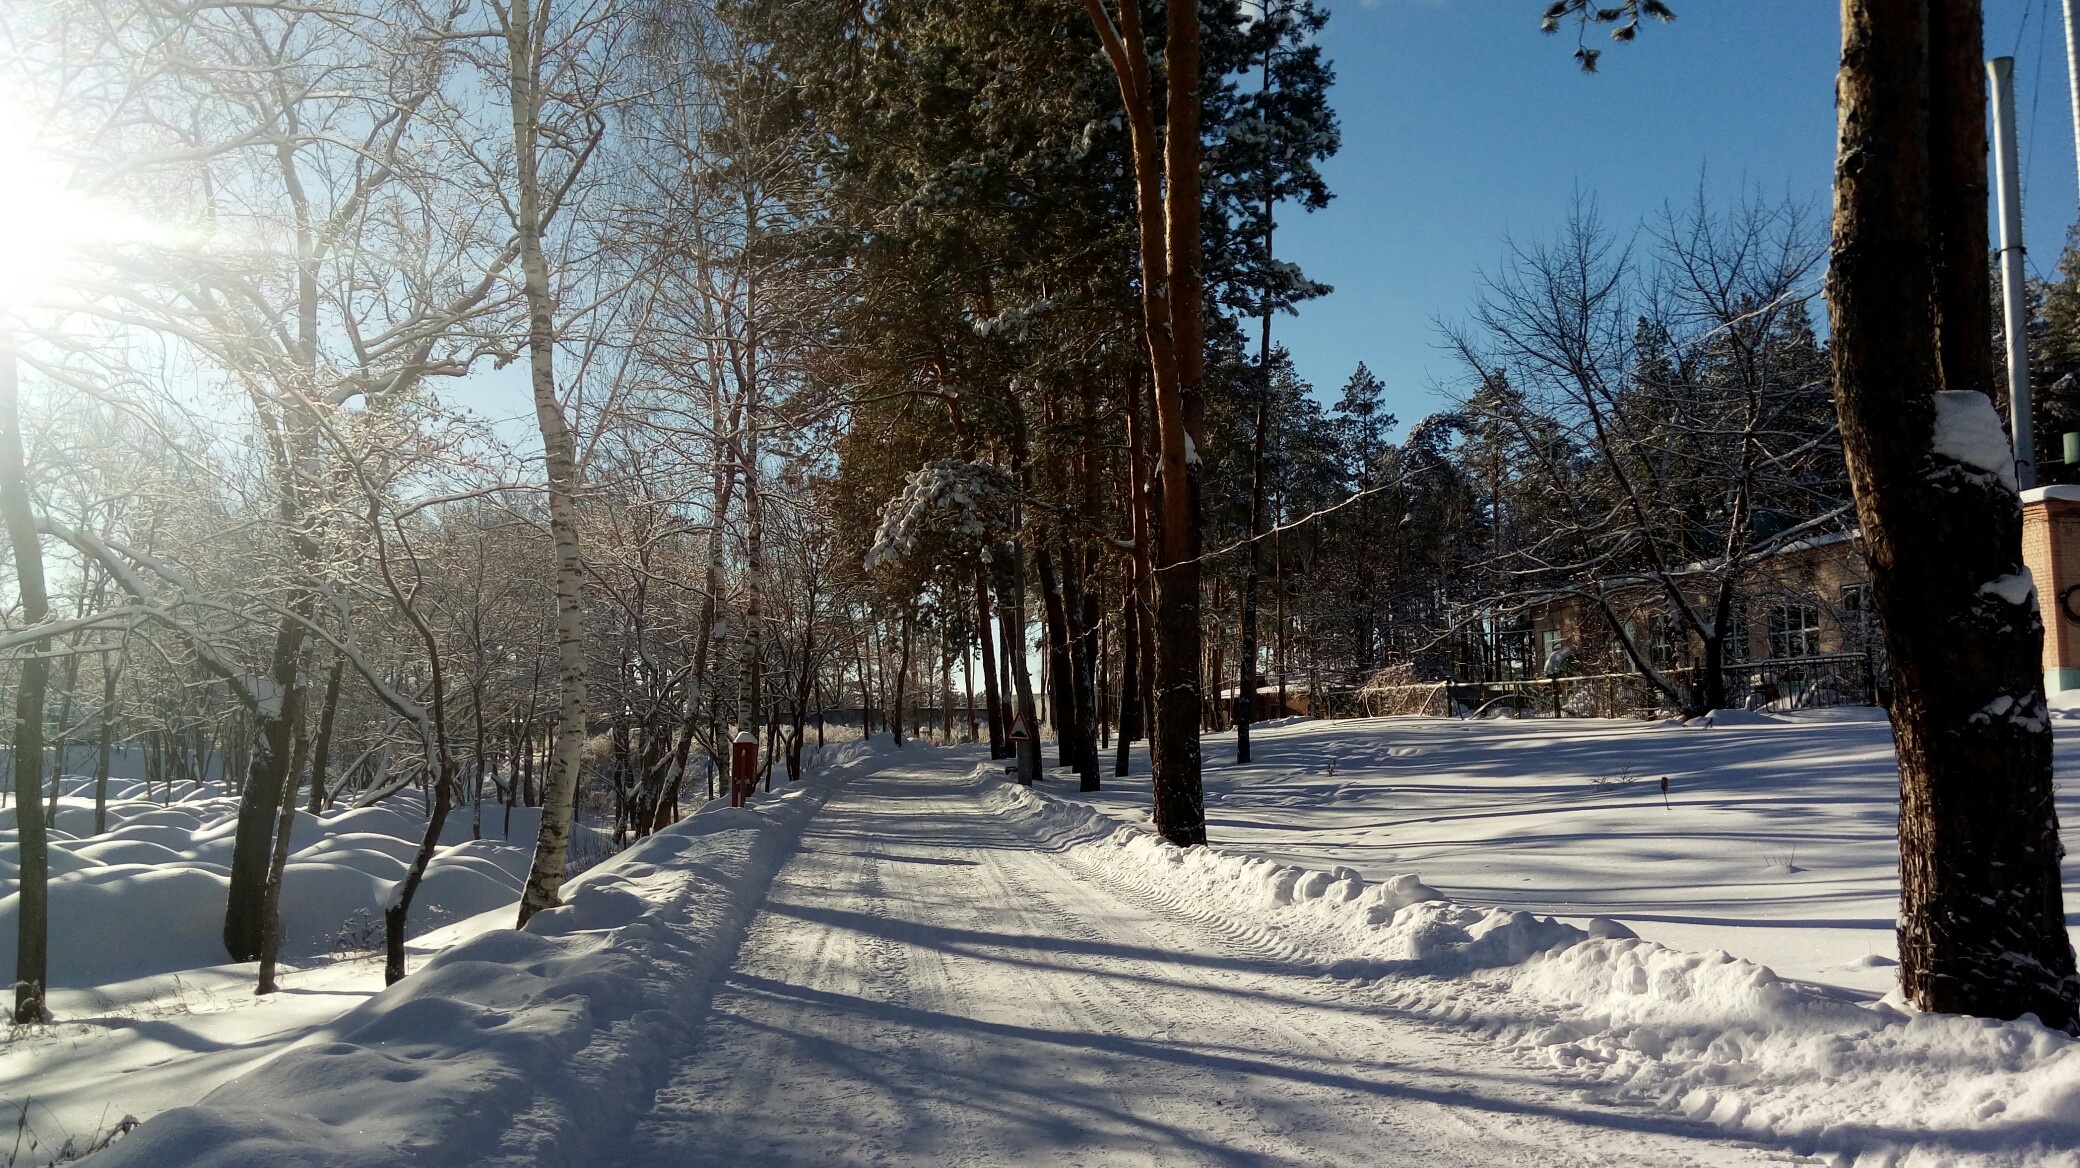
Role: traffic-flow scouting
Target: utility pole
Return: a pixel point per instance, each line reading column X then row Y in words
column 2014, row 293
column 2073, row 70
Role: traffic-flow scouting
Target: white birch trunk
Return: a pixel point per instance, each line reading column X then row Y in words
column 545, row 876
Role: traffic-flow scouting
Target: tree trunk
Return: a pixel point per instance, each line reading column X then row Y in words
column 866, row 692
column 902, row 695
column 529, row 796
column 945, row 686
column 991, row 693
column 284, row 832
column 804, row 690
column 1129, row 679
column 1078, row 606
column 62, row 748
column 750, row 692
column 1104, row 695
column 259, row 804
column 1246, row 680
column 476, row 758
column 1061, row 682
column 1010, row 560
column 399, row 909
column 1136, row 650
column 321, row 751
column 974, row 733
column 1982, row 923
column 110, row 674
column 32, row 913
column 698, row 687
column 1167, row 202
column 621, row 769
column 1179, row 810
column 560, row 458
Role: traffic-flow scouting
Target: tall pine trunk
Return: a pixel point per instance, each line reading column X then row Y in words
column 1129, row 679
column 1167, row 203
column 1180, row 812
column 1080, row 596
column 1010, row 562
column 1982, row 923
column 1246, row 682
column 1084, row 656
column 992, row 695
column 1061, row 683
column 900, row 704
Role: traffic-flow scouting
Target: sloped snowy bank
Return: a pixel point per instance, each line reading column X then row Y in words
column 1704, row 1034
column 148, row 1014
column 517, row 1046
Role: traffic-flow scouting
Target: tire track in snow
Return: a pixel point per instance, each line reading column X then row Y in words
column 927, row 985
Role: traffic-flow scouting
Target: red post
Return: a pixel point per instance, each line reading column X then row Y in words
column 743, row 768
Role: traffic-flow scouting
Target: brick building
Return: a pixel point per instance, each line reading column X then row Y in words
column 2051, row 549
column 1811, row 599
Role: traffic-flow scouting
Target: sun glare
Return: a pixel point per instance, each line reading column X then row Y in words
column 54, row 227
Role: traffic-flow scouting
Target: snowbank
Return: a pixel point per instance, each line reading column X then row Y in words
column 1713, row 1037
column 516, row 1047
column 147, row 1013
column 147, row 896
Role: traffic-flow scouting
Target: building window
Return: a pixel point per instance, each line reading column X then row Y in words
column 1513, row 653
column 1549, row 644
column 1733, row 643
column 1662, row 633
column 1856, row 601
column 1794, row 630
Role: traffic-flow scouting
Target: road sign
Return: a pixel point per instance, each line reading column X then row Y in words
column 1020, row 732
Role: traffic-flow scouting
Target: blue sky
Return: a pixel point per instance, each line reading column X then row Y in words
column 1462, row 124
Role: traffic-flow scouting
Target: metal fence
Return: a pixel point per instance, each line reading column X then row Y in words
column 590, row 844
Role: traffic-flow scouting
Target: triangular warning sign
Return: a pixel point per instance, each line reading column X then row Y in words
column 1020, row 732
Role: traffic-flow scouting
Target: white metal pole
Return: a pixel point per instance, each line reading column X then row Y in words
column 2014, row 295
column 2073, row 70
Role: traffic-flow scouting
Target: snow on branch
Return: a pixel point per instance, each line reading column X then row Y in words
column 112, row 559
column 960, row 504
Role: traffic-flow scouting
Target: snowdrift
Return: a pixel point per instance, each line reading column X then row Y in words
column 1707, row 1035
column 147, row 896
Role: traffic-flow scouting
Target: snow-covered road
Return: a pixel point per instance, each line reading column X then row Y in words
column 925, row 984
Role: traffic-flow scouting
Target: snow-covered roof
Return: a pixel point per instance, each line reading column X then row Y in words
column 2062, row 492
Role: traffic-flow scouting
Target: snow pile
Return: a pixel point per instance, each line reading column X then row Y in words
column 1728, row 719
column 147, row 896
column 517, row 1046
column 1713, row 1037
column 1396, row 926
column 2017, row 588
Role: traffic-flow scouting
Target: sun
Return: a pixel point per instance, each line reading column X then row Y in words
column 56, row 228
